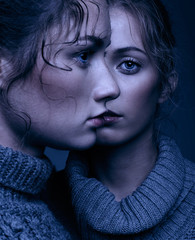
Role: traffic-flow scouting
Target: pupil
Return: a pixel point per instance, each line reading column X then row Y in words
column 84, row 56
column 129, row 64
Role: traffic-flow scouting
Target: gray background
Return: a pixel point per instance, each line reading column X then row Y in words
column 182, row 119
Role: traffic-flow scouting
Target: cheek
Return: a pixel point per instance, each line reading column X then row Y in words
column 142, row 96
column 147, row 96
column 60, row 85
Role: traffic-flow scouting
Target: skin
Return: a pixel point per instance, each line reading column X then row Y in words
column 62, row 106
column 125, row 152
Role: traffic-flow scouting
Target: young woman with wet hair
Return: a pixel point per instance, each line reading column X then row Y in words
column 134, row 184
column 48, row 95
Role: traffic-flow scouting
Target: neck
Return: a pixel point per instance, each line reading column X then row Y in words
column 10, row 140
column 123, row 168
column 17, row 137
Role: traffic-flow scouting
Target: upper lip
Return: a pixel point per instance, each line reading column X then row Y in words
column 106, row 114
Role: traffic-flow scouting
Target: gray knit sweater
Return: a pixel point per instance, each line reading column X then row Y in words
column 23, row 215
column 162, row 208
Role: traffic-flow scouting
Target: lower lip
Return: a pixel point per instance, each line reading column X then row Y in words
column 100, row 122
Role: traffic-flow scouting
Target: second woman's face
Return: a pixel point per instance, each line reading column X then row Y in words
column 61, row 104
column 132, row 113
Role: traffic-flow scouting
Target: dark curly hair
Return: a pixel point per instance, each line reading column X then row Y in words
column 26, row 32
column 24, row 28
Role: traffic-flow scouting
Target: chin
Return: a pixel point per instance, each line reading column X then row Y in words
column 83, row 143
column 108, row 142
column 109, row 138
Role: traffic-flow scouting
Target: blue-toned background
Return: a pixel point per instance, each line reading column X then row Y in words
column 182, row 14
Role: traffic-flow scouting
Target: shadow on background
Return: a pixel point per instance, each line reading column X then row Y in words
column 183, row 19
column 183, row 117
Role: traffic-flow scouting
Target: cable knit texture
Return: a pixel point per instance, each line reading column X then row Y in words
column 162, row 208
column 23, row 215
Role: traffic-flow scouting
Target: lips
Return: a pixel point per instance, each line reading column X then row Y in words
column 106, row 118
column 109, row 116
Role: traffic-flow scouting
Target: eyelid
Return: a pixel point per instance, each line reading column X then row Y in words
column 131, row 59
column 76, row 54
column 86, row 48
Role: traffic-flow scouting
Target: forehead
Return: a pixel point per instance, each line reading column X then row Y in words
column 125, row 29
column 96, row 19
column 92, row 20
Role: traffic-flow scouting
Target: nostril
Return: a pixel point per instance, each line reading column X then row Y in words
column 106, row 93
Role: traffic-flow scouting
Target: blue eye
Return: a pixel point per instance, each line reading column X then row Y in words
column 84, row 57
column 129, row 67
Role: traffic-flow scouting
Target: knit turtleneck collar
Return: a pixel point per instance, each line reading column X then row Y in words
column 95, row 206
column 22, row 172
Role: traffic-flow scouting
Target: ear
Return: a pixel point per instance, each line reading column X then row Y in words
column 169, row 87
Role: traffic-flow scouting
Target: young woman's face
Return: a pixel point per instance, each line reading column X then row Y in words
column 62, row 104
column 138, row 82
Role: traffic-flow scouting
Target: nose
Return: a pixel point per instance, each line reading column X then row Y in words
column 105, row 85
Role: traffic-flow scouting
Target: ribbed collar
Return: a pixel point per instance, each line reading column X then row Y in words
column 95, row 206
column 22, row 172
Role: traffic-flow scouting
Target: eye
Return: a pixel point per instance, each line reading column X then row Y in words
column 83, row 57
column 129, row 66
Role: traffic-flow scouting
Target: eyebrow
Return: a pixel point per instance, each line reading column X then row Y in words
column 93, row 39
column 127, row 49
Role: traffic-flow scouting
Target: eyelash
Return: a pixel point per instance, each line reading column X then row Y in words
column 134, row 67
